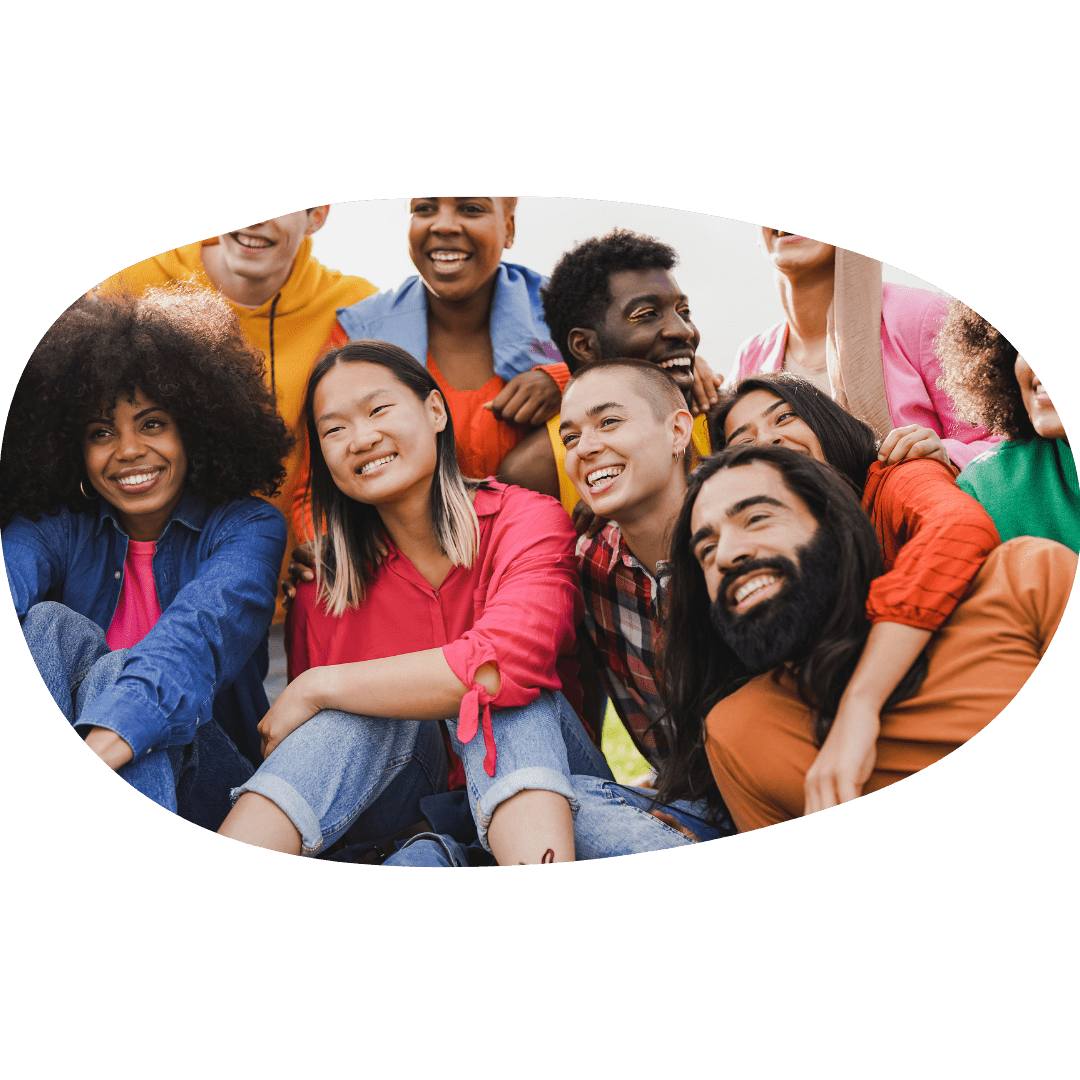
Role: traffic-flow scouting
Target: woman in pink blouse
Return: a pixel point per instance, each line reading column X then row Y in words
column 435, row 647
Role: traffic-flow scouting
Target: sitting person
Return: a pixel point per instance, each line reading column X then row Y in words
column 933, row 536
column 142, row 571
column 869, row 345
column 285, row 299
column 436, row 599
column 614, row 296
column 773, row 565
column 992, row 385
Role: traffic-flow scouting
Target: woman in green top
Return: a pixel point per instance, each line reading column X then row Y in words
column 1027, row 483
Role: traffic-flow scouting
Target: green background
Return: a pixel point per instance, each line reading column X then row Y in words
column 923, row 929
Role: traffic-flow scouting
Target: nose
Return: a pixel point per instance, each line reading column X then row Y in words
column 446, row 219
column 362, row 438
column 132, row 445
column 733, row 548
column 589, row 444
column 676, row 328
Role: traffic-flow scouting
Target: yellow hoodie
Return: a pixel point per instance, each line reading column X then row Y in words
column 304, row 318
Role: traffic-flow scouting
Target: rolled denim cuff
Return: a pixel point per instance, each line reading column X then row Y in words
column 531, row 778
column 291, row 803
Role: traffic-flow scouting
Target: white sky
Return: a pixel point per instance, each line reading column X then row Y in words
column 721, row 268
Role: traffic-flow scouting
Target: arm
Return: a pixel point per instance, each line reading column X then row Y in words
column 847, row 757
column 34, row 558
column 203, row 638
column 706, row 383
column 531, row 465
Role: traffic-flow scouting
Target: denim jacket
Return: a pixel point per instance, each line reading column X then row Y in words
column 216, row 572
column 520, row 339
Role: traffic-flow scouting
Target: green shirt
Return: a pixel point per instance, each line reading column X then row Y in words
column 1029, row 488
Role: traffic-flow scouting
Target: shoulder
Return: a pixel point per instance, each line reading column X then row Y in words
column 250, row 513
column 898, row 483
column 404, row 299
column 50, row 524
column 911, row 312
column 524, row 514
column 757, row 345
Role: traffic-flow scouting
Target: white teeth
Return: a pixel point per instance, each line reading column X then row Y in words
column 679, row 361
column 449, row 256
column 375, row 464
column 751, row 586
column 139, row 478
column 603, row 474
column 253, row 241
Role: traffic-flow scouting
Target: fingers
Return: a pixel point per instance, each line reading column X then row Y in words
column 705, row 385
column 819, row 791
column 581, row 517
column 299, row 572
column 595, row 526
column 304, row 554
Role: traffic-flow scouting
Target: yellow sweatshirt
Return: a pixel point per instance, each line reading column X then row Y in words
column 304, row 318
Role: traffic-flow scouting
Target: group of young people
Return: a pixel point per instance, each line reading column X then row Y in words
column 491, row 502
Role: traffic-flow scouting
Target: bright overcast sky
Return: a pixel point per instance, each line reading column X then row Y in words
column 721, row 268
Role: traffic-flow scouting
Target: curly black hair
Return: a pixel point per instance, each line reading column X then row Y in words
column 182, row 347
column 577, row 294
column 977, row 365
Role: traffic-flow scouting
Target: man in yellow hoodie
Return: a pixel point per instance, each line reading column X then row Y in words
column 286, row 301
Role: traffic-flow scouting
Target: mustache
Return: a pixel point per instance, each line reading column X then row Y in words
column 779, row 563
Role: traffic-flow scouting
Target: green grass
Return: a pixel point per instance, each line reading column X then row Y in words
column 626, row 763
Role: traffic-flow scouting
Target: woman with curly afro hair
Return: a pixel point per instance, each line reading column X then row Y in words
column 143, row 570
column 1028, row 481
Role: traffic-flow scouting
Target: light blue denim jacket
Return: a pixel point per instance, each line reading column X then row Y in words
column 520, row 338
column 216, row 571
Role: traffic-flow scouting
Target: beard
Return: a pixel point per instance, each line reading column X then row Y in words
column 783, row 627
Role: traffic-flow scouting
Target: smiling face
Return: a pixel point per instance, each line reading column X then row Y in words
column 377, row 437
column 264, row 252
column 135, row 459
column 762, row 418
column 793, row 254
column 619, row 454
column 456, row 242
column 742, row 519
column 1044, row 417
column 648, row 319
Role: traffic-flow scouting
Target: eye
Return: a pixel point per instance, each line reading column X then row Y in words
column 153, row 422
column 472, row 208
column 784, row 416
column 684, row 311
column 379, row 408
column 608, row 421
column 97, row 434
column 703, row 551
column 330, row 431
column 569, row 437
column 641, row 313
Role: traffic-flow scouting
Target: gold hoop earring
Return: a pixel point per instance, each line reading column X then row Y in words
column 88, row 498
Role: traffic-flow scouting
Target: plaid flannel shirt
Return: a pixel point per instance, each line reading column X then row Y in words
column 624, row 605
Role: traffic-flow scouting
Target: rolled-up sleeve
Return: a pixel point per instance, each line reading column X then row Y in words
column 168, row 683
column 525, row 610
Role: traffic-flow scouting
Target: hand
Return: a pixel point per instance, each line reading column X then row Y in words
column 910, row 442
column 109, row 746
column 585, row 521
column 300, row 570
column 674, row 823
column 291, row 709
column 530, row 399
column 845, row 761
column 706, row 383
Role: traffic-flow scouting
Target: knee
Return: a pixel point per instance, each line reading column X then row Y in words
column 43, row 618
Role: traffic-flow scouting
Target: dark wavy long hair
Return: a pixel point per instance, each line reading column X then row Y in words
column 849, row 444
column 351, row 541
column 182, row 347
column 699, row 667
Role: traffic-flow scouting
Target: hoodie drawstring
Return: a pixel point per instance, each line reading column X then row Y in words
column 273, row 309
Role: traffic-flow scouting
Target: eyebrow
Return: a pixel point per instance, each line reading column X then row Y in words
column 770, row 409
column 650, row 298
column 732, row 511
column 112, row 419
column 360, row 403
column 602, row 407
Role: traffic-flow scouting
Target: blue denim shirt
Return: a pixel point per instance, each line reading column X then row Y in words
column 216, row 572
column 520, row 339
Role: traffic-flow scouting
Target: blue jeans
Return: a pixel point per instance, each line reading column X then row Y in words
column 367, row 775
column 75, row 662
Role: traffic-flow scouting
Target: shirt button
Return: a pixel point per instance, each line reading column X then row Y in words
column 117, row 575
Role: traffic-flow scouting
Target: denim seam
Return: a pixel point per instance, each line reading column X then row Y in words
column 539, row 778
column 282, row 791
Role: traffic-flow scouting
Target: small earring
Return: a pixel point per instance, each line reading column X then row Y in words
column 89, row 498
column 678, row 453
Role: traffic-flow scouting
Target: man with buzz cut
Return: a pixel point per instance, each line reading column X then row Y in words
column 772, row 561
column 286, row 302
column 625, row 428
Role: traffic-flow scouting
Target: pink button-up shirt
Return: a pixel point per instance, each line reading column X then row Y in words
column 517, row 607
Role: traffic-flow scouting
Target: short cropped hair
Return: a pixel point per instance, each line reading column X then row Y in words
column 578, row 295
column 654, row 384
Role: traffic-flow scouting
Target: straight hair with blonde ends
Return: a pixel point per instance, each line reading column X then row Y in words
column 353, row 542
